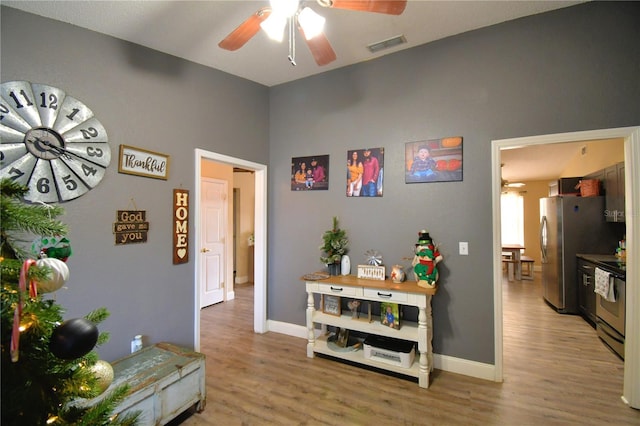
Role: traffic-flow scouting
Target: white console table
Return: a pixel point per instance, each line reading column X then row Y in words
column 351, row 287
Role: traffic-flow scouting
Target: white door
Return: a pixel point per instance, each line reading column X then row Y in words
column 213, row 228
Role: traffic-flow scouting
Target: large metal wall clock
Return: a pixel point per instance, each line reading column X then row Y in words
column 51, row 142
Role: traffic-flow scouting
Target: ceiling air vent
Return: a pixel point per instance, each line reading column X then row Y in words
column 386, row 44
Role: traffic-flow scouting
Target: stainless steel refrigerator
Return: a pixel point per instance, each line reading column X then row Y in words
column 570, row 225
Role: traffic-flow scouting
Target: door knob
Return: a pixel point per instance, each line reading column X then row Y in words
column 204, row 250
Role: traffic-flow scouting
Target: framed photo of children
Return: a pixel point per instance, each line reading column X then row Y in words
column 437, row 160
column 365, row 172
column 310, row 173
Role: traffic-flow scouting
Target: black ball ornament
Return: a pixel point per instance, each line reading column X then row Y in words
column 73, row 338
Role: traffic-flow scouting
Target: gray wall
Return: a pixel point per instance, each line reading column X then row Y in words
column 568, row 70
column 153, row 101
column 572, row 69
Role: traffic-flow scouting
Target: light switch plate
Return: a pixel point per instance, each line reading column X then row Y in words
column 463, row 248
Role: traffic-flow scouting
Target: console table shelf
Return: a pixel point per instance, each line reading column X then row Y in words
column 407, row 293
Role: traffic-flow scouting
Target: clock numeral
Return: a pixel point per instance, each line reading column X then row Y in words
column 43, row 186
column 17, row 173
column 89, row 133
column 17, row 101
column 94, row 152
column 73, row 113
column 88, row 171
column 53, row 101
column 4, row 110
column 69, row 183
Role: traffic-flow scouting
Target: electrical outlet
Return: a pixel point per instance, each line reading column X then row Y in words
column 463, row 248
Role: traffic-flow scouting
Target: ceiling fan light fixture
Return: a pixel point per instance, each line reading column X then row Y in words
column 312, row 24
column 286, row 8
column 274, row 26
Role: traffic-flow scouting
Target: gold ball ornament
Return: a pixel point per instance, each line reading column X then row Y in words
column 103, row 371
column 57, row 277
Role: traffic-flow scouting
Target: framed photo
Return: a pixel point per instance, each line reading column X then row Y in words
column 331, row 305
column 310, row 173
column 365, row 172
column 360, row 310
column 390, row 314
column 342, row 337
column 140, row 162
column 436, row 160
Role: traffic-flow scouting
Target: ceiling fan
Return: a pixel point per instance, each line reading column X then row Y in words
column 275, row 18
column 505, row 184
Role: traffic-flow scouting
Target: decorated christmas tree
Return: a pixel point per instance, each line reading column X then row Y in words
column 51, row 374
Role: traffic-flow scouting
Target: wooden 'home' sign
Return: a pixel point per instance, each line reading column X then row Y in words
column 180, row 226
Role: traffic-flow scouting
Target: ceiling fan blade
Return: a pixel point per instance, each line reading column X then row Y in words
column 390, row 7
column 245, row 31
column 320, row 48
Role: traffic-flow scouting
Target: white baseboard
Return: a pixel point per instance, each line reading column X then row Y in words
column 287, row 328
column 242, row 280
column 441, row 362
column 465, row 367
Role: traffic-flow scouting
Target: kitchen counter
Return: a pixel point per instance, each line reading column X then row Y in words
column 608, row 261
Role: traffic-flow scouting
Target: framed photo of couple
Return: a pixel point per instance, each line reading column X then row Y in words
column 435, row 160
column 365, row 172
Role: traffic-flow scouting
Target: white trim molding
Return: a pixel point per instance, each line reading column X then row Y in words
column 631, row 135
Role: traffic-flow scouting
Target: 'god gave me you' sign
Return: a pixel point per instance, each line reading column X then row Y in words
column 131, row 227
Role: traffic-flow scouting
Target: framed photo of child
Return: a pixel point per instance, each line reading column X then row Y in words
column 435, row 160
column 390, row 314
column 310, row 173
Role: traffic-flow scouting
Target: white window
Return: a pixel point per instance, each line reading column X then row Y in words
column 512, row 211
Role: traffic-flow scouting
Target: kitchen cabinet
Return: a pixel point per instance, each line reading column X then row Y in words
column 586, row 293
column 564, row 186
column 614, row 193
column 407, row 293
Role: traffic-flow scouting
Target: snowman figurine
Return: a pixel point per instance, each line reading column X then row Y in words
column 425, row 260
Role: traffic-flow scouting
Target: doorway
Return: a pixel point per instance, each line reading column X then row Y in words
column 260, row 238
column 631, row 135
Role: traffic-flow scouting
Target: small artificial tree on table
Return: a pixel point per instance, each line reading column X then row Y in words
column 334, row 245
column 48, row 365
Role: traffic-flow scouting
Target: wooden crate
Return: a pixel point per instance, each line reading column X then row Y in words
column 165, row 380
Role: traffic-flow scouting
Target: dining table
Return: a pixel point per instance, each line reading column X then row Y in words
column 515, row 251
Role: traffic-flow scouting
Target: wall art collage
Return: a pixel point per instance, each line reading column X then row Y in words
column 433, row 160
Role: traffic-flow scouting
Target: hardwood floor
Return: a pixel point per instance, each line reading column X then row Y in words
column 556, row 372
